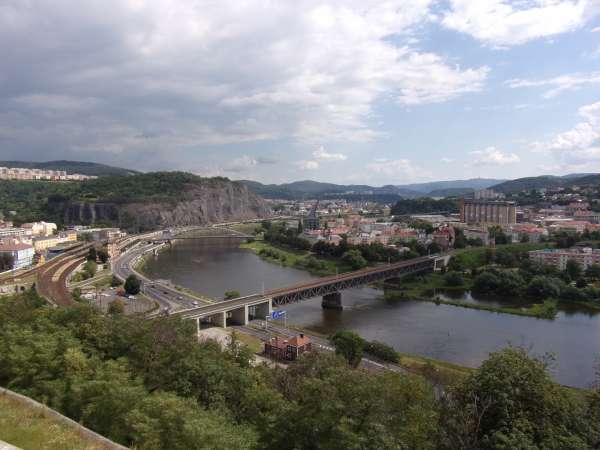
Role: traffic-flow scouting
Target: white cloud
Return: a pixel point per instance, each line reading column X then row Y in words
column 188, row 73
column 399, row 169
column 558, row 84
column 578, row 145
column 595, row 30
column 491, row 156
column 321, row 155
column 308, row 165
column 241, row 164
column 446, row 160
column 502, row 23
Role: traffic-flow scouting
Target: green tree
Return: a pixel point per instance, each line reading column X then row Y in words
column 573, row 269
column 114, row 281
column 89, row 269
column 92, row 254
column 593, row 271
column 102, row 255
column 132, row 285
column 231, row 295
column 350, row 345
column 511, row 403
column 541, row 287
column 453, row 279
column 354, row 259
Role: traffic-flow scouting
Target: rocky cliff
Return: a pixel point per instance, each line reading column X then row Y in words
column 198, row 203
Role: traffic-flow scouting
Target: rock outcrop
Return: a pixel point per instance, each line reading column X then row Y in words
column 198, row 204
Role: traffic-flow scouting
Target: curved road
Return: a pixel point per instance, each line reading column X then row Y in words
column 170, row 299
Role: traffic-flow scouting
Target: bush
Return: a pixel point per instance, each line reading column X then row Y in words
column 541, row 287
column 453, row 279
column 231, row 295
column 116, row 307
column 382, row 351
column 354, row 259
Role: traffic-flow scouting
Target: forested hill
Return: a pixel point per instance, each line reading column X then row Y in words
column 546, row 182
column 136, row 202
column 81, row 167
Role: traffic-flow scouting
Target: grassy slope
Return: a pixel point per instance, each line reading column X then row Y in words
column 294, row 257
column 27, row 428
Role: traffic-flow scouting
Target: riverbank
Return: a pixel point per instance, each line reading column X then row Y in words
column 298, row 259
column 546, row 310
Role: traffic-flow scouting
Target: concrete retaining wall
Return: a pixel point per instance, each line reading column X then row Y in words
column 80, row 429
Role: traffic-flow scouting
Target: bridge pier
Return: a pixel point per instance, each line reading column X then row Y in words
column 263, row 309
column 332, row 301
column 240, row 316
column 218, row 319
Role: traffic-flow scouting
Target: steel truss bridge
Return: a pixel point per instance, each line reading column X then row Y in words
column 258, row 305
column 333, row 284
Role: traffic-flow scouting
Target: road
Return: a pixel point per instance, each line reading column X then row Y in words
column 169, row 299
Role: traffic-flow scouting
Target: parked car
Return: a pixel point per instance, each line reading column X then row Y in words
column 195, row 303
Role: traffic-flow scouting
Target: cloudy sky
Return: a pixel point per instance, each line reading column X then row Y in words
column 345, row 91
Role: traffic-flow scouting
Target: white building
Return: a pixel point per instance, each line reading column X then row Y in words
column 39, row 228
column 22, row 253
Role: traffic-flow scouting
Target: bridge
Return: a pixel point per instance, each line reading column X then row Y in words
column 241, row 310
column 207, row 233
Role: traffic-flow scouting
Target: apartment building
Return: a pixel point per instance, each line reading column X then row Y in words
column 558, row 258
column 488, row 212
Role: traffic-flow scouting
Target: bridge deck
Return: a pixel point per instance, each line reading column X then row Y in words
column 321, row 286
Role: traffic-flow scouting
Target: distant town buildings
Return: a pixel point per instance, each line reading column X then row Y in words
column 17, row 173
column 39, row 228
column 488, row 212
column 558, row 258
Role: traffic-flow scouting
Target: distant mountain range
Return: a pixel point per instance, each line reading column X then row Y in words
column 81, row 167
column 547, row 182
column 313, row 189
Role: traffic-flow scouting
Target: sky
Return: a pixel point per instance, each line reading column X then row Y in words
column 374, row 92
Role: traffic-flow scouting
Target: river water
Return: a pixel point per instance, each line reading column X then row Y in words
column 459, row 335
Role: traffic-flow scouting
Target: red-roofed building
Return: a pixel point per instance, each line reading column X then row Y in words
column 287, row 349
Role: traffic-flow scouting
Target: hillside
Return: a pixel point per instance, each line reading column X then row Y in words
column 138, row 202
column 546, row 182
column 313, row 189
column 81, row 167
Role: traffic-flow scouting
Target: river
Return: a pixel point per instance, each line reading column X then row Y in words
column 459, row 335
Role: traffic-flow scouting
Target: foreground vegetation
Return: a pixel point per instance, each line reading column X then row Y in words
column 149, row 384
column 27, row 427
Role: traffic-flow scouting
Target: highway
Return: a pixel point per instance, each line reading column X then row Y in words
column 168, row 298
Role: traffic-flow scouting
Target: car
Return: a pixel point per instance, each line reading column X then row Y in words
column 179, row 297
column 131, row 297
column 195, row 303
column 165, row 292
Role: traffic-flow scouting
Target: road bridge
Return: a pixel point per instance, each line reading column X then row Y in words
column 243, row 309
